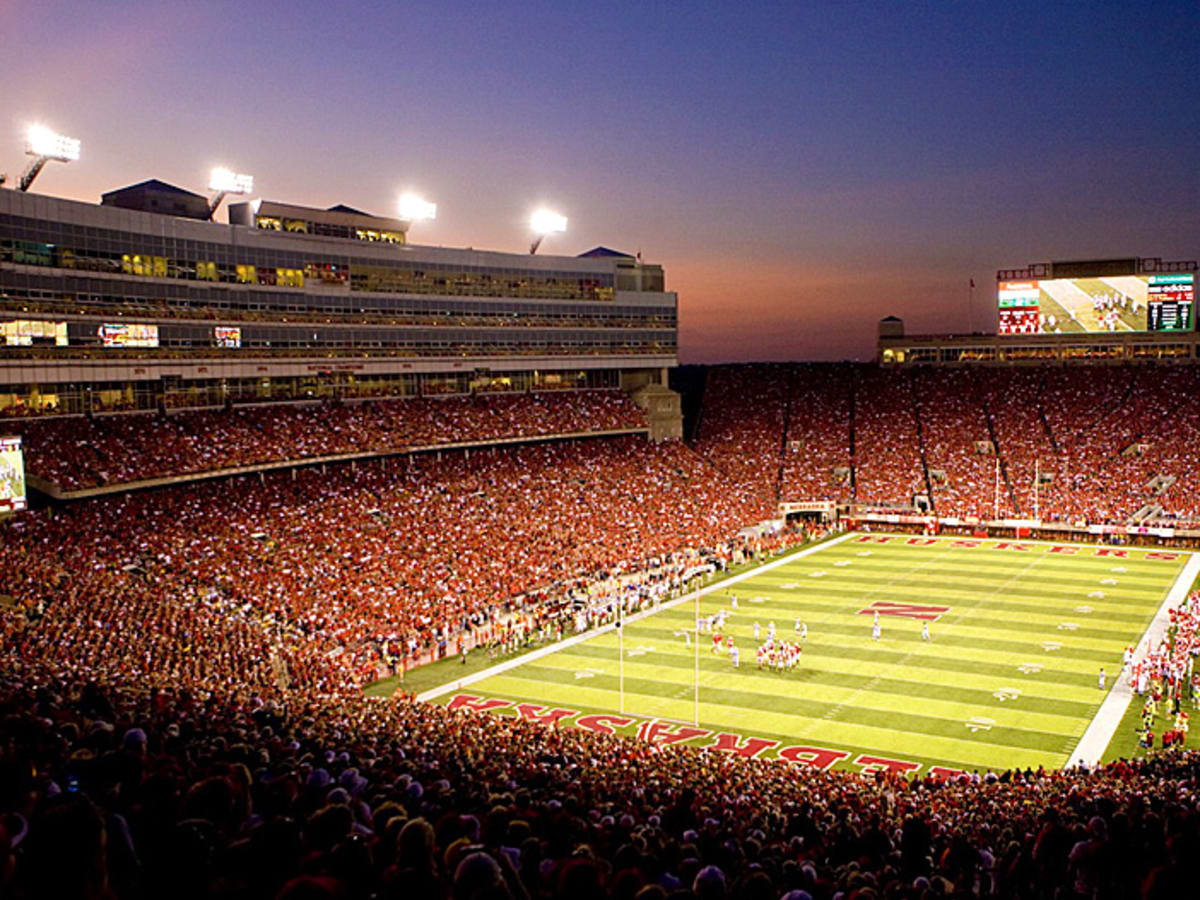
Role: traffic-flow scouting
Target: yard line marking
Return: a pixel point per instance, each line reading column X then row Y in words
column 541, row 652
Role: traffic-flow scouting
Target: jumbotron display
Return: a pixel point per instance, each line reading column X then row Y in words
column 12, row 475
column 1105, row 304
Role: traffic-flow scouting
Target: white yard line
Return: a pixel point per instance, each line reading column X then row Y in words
column 1102, row 728
column 434, row 693
column 835, row 711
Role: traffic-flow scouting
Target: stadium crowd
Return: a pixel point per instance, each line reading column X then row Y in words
column 742, row 424
column 180, row 706
column 958, row 447
column 81, row 452
column 817, row 461
column 1103, row 443
column 363, row 562
column 120, row 791
column 887, row 448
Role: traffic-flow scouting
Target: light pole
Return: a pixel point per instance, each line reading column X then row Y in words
column 225, row 181
column 45, row 145
column 415, row 208
column 544, row 222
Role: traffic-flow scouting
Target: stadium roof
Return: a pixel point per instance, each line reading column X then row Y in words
column 152, row 184
column 341, row 215
column 156, row 196
column 604, row 251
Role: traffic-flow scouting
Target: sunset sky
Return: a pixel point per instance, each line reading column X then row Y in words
column 800, row 169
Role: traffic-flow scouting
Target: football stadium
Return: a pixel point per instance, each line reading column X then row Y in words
column 336, row 565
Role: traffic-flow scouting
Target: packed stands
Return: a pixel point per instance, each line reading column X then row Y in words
column 1012, row 398
column 957, row 443
column 77, row 452
column 742, row 426
column 1107, row 444
column 180, row 670
column 118, row 791
column 887, row 447
column 357, row 562
column 1168, row 446
column 817, row 462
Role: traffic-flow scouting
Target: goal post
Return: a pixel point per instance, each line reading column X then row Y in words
column 652, row 637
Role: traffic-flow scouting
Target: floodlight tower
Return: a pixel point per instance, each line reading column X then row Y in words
column 225, row 181
column 45, row 145
column 544, row 222
column 415, row 208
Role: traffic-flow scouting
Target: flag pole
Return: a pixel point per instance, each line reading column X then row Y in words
column 971, row 307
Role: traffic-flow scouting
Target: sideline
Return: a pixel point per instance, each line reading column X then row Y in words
column 541, row 652
column 1108, row 718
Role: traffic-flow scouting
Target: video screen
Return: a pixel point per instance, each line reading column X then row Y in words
column 227, row 337
column 28, row 332
column 1094, row 305
column 12, row 475
column 127, row 335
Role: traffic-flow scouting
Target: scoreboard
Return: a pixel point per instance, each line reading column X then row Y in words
column 1018, row 303
column 1097, row 304
column 1170, row 302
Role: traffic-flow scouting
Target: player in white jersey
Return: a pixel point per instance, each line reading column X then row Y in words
column 925, row 632
column 757, row 631
column 875, row 630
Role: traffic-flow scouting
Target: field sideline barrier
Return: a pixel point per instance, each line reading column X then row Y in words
column 1030, row 524
column 1104, row 724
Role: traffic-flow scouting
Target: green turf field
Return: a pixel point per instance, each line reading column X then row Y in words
column 1019, row 634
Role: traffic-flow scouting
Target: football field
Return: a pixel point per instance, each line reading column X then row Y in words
column 1019, row 631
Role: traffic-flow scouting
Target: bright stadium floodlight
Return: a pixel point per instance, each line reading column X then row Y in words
column 45, row 145
column 544, row 222
column 415, row 208
column 225, row 181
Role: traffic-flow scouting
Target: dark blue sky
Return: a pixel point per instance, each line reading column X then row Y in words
column 800, row 169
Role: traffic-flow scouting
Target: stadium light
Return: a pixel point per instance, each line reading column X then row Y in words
column 415, row 208
column 225, row 181
column 544, row 222
column 45, row 145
